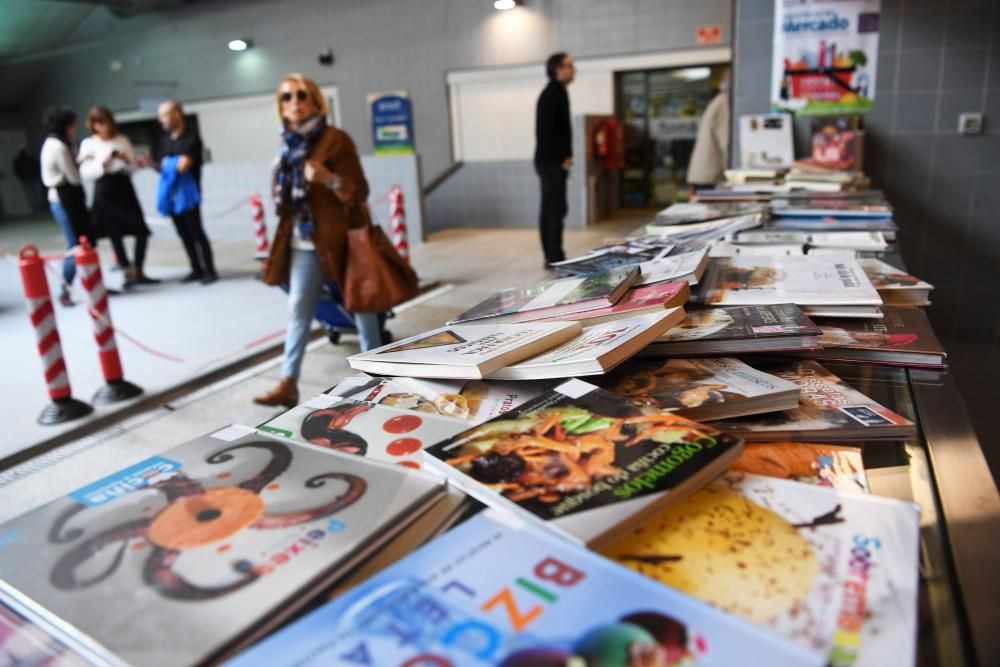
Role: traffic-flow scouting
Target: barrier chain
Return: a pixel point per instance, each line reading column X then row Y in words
column 259, row 226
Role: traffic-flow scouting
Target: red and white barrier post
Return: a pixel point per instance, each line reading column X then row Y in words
column 116, row 388
column 36, row 289
column 397, row 221
column 259, row 226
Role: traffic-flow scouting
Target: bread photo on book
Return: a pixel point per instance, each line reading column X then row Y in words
column 833, row 571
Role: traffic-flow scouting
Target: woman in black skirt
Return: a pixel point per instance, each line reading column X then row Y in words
column 108, row 158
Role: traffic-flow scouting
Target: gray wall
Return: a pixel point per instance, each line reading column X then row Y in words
column 379, row 45
column 936, row 59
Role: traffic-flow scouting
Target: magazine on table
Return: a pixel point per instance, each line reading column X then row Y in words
column 833, row 571
column 637, row 301
column 179, row 558
column 583, row 461
column 555, row 297
column 806, row 281
column 464, row 351
column 896, row 287
column 702, row 389
column 391, row 435
column 767, row 328
column 471, row 400
column 495, row 591
column 837, row 466
column 829, row 410
column 595, row 351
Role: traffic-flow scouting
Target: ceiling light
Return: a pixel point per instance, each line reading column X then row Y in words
column 503, row 5
column 240, row 44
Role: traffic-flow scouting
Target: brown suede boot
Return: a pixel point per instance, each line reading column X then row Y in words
column 286, row 394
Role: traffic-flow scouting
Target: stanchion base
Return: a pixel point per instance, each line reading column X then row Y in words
column 63, row 410
column 115, row 391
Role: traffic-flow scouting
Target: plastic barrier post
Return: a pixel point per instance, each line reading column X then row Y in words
column 259, row 227
column 398, row 222
column 116, row 387
column 36, row 289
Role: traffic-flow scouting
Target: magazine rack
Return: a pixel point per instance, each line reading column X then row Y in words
column 944, row 471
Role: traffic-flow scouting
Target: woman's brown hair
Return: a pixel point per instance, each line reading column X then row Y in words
column 101, row 114
column 310, row 87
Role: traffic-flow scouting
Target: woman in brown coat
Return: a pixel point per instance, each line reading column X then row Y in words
column 320, row 192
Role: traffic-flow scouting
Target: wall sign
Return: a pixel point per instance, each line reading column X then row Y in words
column 392, row 122
column 707, row 35
column 825, row 56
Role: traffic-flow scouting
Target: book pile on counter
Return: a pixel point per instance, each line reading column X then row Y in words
column 642, row 461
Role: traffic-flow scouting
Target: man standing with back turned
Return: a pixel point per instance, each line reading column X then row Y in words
column 184, row 142
column 554, row 153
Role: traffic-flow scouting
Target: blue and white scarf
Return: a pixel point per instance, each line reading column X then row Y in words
column 289, row 177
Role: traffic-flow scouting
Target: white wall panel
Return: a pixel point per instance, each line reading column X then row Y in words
column 493, row 110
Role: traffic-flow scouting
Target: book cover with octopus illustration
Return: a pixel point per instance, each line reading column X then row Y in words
column 494, row 591
column 379, row 432
column 835, row 572
column 177, row 559
column 583, row 461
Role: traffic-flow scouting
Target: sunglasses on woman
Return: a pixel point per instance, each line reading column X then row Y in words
column 300, row 95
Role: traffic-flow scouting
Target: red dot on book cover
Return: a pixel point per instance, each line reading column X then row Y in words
column 273, row 487
column 138, row 546
column 403, row 446
column 224, row 475
column 402, row 424
column 408, row 464
column 224, row 548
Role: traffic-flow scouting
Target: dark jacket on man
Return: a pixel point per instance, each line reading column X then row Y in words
column 553, row 132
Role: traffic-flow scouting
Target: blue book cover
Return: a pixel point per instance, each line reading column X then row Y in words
column 494, row 591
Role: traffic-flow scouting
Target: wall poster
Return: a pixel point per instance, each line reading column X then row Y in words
column 392, row 122
column 825, row 56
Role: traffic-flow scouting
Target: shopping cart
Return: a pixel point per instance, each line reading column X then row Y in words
column 336, row 319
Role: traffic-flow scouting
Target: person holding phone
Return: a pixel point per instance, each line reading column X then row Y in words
column 108, row 158
column 320, row 191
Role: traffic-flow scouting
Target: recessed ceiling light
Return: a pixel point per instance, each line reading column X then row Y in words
column 240, row 44
column 503, row 5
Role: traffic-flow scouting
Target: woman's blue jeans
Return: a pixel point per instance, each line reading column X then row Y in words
column 304, row 291
column 69, row 263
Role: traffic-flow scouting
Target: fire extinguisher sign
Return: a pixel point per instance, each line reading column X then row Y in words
column 825, row 56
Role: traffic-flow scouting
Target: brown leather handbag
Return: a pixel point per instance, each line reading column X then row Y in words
column 377, row 278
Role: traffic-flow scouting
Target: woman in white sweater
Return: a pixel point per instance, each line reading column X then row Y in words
column 108, row 158
column 66, row 198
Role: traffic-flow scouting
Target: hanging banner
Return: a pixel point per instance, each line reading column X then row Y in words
column 392, row 122
column 825, row 56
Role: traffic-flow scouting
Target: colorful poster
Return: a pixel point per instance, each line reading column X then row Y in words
column 392, row 122
column 825, row 56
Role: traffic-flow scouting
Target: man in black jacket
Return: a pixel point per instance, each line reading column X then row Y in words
column 554, row 152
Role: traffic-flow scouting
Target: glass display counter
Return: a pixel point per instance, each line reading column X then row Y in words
column 945, row 473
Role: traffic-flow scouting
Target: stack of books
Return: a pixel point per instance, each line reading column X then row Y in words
column 607, row 468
